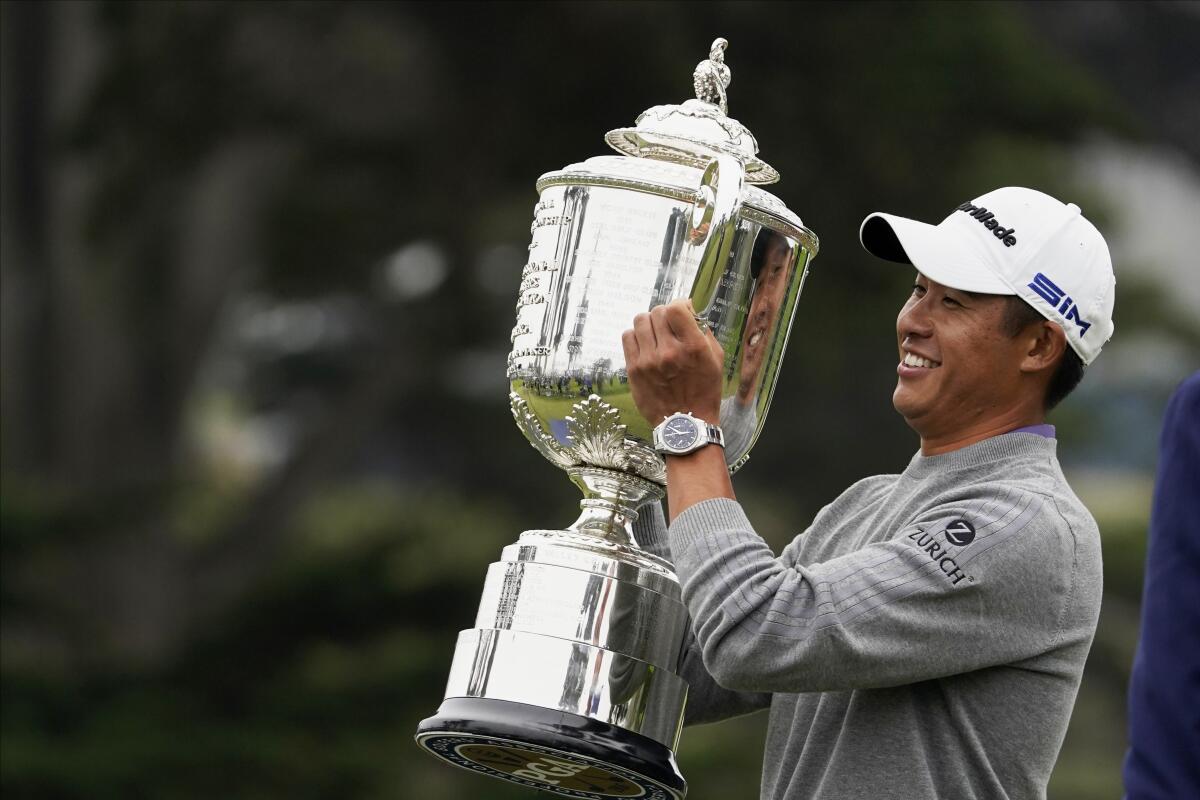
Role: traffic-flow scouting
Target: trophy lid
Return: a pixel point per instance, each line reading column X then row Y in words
column 692, row 132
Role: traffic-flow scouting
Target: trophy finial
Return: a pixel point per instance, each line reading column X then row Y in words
column 693, row 131
column 711, row 77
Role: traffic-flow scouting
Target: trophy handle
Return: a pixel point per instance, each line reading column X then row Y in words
column 714, row 216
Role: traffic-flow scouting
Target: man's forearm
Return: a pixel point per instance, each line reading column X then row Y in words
column 697, row 477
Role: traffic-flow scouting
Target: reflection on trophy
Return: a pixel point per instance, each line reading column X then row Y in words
column 567, row 683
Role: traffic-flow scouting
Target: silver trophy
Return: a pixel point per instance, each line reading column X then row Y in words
column 567, row 683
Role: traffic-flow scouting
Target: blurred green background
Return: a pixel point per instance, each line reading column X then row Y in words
column 258, row 265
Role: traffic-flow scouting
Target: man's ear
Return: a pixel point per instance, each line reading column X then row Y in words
column 1045, row 344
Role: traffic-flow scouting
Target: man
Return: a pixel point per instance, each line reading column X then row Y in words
column 1164, row 689
column 925, row 637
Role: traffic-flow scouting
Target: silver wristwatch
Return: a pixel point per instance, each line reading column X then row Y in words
column 681, row 433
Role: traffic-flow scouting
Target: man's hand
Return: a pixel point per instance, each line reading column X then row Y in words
column 673, row 365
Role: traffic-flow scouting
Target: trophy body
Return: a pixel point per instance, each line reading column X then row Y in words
column 567, row 682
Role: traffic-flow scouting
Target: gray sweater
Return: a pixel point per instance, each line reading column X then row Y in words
column 924, row 638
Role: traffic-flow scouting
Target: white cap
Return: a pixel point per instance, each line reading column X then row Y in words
column 1013, row 241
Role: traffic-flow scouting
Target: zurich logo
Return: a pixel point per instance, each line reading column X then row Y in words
column 960, row 532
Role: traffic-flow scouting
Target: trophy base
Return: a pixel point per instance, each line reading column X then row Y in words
column 554, row 751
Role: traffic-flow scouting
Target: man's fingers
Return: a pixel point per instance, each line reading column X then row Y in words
column 682, row 322
column 629, row 343
column 643, row 331
column 663, row 335
column 714, row 345
column 670, row 336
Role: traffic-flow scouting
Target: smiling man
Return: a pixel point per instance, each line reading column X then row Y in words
column 926, row 635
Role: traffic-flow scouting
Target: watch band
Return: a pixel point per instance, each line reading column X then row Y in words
column 715, row 434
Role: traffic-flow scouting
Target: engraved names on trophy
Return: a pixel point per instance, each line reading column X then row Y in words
column 526, row 352
column 729, row 306
column 633, row 261
column 532, row 294
column 498, row 606
column 542, row 220
column 530, row 299
column 534, row 267
column 581, row 287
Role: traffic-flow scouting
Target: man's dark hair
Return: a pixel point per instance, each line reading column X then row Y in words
column 1017, row 315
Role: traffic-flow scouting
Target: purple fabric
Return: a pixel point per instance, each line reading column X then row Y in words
column 1041, row 430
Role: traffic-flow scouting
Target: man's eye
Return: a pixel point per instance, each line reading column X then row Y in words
column 918, row 289
column 950, row 301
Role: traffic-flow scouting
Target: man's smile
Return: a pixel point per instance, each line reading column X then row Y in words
column 915, row 364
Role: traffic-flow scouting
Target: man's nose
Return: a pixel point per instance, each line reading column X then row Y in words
column 914, row 319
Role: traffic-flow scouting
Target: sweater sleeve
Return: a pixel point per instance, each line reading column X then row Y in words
column 936, row 598
column 707, row 701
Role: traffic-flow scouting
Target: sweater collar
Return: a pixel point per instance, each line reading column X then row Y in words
column 1008, row 445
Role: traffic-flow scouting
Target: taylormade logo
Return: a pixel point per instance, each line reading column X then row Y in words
column 991, row 223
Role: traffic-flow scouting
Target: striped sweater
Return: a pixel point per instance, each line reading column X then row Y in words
column 923, row 638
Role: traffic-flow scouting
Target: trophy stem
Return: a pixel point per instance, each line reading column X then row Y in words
column 610, row 502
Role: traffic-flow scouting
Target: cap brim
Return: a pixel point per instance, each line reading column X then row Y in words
column 938, row 253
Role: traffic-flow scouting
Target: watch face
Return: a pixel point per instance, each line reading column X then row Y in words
column 680, row 433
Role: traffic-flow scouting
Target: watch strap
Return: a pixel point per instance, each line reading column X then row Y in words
column 715, row 434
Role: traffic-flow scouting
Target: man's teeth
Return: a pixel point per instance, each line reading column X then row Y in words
column 911, row 360
column 754, row 339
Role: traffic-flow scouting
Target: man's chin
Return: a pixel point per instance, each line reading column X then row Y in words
column 906, row 405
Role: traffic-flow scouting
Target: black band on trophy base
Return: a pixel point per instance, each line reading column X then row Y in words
column 554, row 751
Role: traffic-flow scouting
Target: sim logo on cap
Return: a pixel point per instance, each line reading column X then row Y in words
column 1059, row 299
